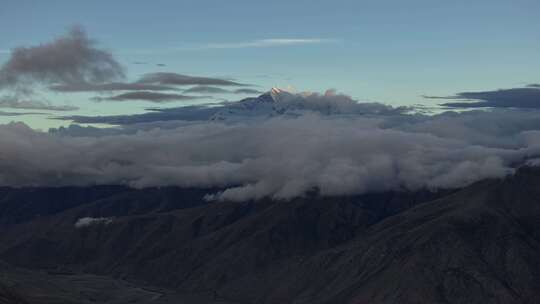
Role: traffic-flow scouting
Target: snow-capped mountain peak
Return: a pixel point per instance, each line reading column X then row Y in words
column 278, row 102
column 279, row 94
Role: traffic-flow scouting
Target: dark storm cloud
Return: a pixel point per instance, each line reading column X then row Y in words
column 179, row 79
column 72, row 58
column 148, row 96
column 528, row 97
column 113, row 86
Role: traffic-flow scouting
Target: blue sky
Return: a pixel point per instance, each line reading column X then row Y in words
column 386, row 51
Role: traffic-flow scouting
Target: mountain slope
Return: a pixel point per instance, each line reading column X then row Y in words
column 480, row 244
column 8, row 296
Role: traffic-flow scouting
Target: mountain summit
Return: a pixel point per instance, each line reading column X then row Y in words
column 278, row 102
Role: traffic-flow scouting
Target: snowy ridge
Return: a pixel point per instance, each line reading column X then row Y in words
column 277, row 102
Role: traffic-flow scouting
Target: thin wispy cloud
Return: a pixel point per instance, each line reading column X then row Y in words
column 258, row 43
column 2, row 113
column 14, row 102
column 264, row 43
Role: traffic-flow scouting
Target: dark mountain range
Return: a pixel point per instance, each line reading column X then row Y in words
column 8, row 296
column 479, row 244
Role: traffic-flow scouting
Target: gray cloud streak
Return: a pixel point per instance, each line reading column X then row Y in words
column 247, row 91
column 528, row 97
column 188, row 113
column 105, row 87
column 207, row 90
column 15, row 102
column 148, row 96
column 181, row 80
column 216, row 90
column 2, row 113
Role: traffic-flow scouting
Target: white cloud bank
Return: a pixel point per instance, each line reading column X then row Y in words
column 280, row 157
column 90, row 221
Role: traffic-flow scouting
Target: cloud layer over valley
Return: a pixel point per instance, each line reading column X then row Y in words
column 280, row 156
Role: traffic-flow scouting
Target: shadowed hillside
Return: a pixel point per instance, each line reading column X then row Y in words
column 479, row 244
